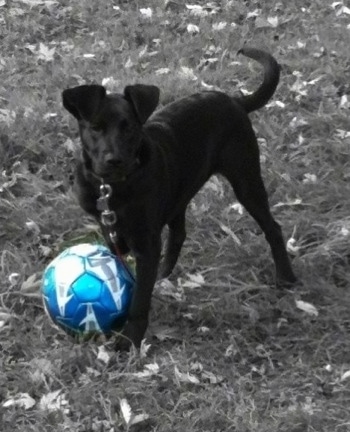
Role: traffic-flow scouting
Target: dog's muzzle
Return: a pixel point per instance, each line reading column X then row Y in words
column 116, row 172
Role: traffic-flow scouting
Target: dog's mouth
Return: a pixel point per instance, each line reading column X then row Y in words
column 116, row 174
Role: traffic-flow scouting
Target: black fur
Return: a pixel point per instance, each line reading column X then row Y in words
column 157, row 161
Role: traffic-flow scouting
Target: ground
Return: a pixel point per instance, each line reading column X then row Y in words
column 226, row 351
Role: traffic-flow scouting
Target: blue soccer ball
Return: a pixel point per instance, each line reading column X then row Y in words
column 87, row 290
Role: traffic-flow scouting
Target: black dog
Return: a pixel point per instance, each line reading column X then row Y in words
column 155, row 165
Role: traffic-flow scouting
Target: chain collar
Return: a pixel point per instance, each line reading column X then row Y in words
column 108, row 216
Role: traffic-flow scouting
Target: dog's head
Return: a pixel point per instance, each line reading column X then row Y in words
column 111, row 126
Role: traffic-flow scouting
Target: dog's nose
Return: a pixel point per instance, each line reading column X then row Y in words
column 112, row 160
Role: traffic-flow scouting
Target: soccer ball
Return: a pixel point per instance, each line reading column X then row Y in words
column 87, row 290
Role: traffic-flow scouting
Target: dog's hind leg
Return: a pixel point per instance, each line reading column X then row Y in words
column 252, row 195
column 176, row 237
column 249, row 188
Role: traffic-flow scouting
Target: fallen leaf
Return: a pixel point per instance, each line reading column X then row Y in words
column 144, row 348
column 292, row 246
column 165, row 333
column 342, row 134
column 128, row 416
column 103, row 355
column 16, row 12
column 344, row 231
column 230, row 351
column 44, row 365
column 22, row 400
column 39, row 2
column 297, row 201
column 341, row 10
column 197, row 10
column 31, row 284
column 219, row 26
column 33, row 227
column 49, row 115
column 129, row 64
column 299, row 86
column 162, row 71
column 192, row 29
column 253, row 14
column 238, row 208
column 53, row 401
column 196, row 366
column 315, row 80
column 188, row 316
column 309, row 178
column 110, row 82
column 7, row 116
column 139, row 418
column 207, row 86
column 306, row 307
column 185, row 377
column 5, row 316
column 195, row 281
column 45, row 53
column 212, row 378
column 261, row 22
column 14, row 278
column 228, row 231
column 216, row 185
column 125, row 409
column 278, row 104
column 146, row 12
column 344, row 102
column 149, row 370
column 70, row 145
column 273, row 21
column 297, row 122
column 143, row 52
column 167, row 288
column 345, row 375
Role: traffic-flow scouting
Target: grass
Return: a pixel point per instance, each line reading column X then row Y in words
column 228, row 352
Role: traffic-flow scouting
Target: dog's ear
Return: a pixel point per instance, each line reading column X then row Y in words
column 83, row 101
column 144, row 99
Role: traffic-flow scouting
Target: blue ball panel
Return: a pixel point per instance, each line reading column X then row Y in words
column 48, row 283
column 87, row 288
column 116, row 295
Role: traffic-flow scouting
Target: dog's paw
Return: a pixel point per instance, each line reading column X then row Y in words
column 132, row 334
column 163, row 273
column 165, row 269
column 289, row 283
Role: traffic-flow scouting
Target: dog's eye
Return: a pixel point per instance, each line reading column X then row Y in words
column 96, row 127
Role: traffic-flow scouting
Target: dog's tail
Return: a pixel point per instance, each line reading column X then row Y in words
column 271, row 78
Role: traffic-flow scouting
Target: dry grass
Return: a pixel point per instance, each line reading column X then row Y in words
column 229, row 352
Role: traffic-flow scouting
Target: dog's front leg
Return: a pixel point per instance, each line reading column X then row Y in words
column 147, row 261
